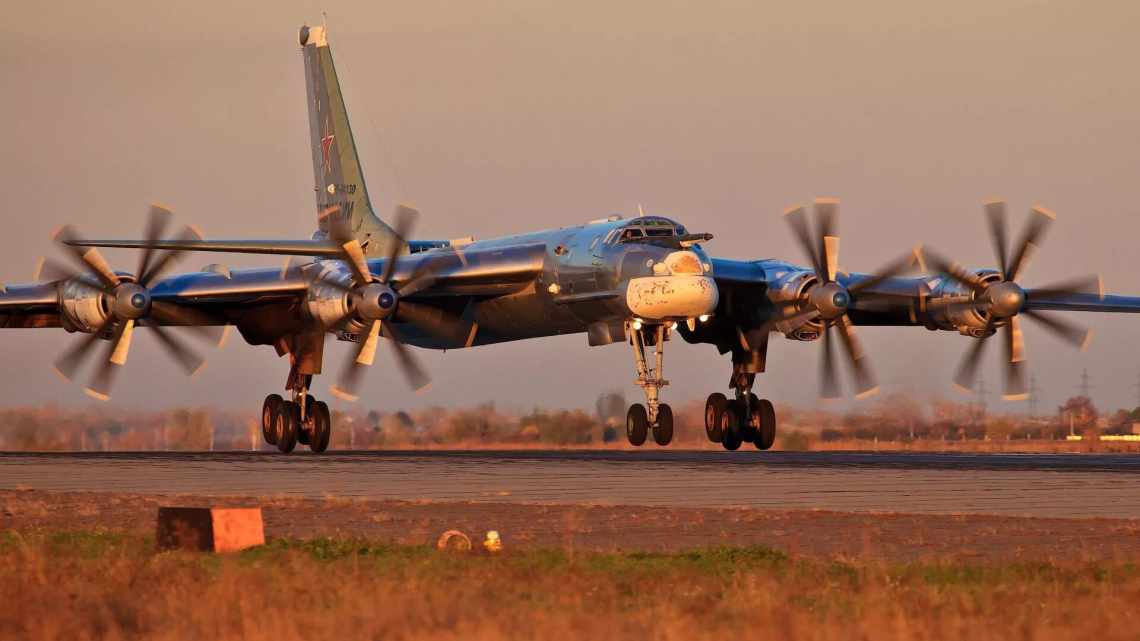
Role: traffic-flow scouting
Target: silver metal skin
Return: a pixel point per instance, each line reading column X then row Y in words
column 1006, row 299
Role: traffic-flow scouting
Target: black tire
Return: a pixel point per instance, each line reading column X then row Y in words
column 714, row 408
column 663, row 430
column 270, row 409
column 636, row 424
column 322, row 427
column 766, row 432
column 730, row 428
column 289, row 425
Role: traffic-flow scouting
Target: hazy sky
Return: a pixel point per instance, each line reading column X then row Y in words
column 499, row 117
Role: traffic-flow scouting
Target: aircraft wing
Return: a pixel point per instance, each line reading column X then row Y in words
column 322, row 248
column 224, row 296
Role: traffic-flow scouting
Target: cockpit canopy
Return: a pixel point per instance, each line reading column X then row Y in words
column 646, row 228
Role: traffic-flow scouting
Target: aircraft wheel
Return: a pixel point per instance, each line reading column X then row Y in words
column 765, row 419
column 288, row 426
column 663, row 430
column 714, row 409
column 636, row 424
column 270, row 409
column 730, row 427
column 322, row 427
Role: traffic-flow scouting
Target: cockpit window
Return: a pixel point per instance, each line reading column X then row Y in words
column 647, row 229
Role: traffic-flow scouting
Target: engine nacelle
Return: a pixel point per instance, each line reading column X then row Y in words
column 788, row 285
column 82, row 306
column 327, row 304
column 968, row 321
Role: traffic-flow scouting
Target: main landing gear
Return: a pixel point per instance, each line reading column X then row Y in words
column 744, row 418
column 654, row 416
column 303, row 420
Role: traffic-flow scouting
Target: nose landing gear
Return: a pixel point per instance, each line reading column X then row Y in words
column 654, row 416
column 744, row 418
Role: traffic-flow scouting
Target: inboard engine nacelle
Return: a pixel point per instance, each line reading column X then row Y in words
column 83, row 306
column 940, row 309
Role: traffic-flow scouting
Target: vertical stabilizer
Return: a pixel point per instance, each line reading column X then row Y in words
column 342, row 197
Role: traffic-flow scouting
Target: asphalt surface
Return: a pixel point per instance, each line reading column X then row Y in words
column 1067, row 485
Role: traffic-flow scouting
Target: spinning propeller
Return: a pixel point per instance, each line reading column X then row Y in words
column 829, row 300
column 1004, row 301
column 127, row 301
column 381, row 305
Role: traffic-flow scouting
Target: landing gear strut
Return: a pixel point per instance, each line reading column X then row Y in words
column 302, row 420
column 744, row 418
column 654, row 416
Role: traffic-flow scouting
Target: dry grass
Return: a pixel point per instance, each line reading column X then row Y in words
column 78, row 586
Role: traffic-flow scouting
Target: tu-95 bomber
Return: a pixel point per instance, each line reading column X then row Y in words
column 640, row 281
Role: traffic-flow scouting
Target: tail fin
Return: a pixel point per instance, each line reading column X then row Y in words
column 342, row 197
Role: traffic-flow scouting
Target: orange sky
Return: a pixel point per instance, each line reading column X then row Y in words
column 498, row 117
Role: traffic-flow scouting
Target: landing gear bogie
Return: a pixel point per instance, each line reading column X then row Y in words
column 743, row 419
column 303, row 420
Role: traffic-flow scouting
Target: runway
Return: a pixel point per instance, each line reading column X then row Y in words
column 1064, row 485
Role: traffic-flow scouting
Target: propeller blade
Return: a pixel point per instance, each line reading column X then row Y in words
column 354, row 258
column 1071, row 333
column 896, row 268
column 439, row 323
column 826, row 211
column 122, row 343
column 1039, row 221
column 968, row 369
column 414, row 373
column 1082, row 285
column 999, row 225
column 191, row 362
column 50, row 271
column 405, row 220
column 69, row 361
column 157, row 221
column 865, row 384
column 199, row 323
column 937, row 263
column 779, row 317
column 426, row 274
column 797, row 220
column 828, row 380
column 168, row 258
column 1015, row 388
column 88, row 257
column 349, row 382
column 108, row 372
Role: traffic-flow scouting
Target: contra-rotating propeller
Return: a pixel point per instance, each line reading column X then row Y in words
column 127, row 301
column 376, row 301
column 1003, row 301
column 828, row 300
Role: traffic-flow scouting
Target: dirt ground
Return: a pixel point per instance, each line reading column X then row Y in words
column 885, row 536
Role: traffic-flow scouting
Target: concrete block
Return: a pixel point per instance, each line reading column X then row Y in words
column 209, row 529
